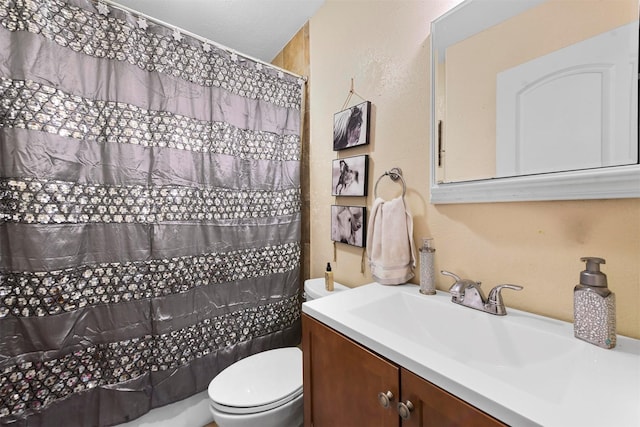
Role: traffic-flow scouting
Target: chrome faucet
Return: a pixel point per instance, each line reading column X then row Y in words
column 469, row 293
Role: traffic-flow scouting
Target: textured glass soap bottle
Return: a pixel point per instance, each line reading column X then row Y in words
column 427, row 280
column 594, row 306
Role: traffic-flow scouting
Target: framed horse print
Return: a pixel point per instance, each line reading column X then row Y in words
column 349, row 176
column 351, row 126
column 348, row 225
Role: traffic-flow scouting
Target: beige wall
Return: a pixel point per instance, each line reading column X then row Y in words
column 383, row 46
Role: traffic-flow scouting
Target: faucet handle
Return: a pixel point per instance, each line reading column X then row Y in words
column 495, row 298
column 456, row 290
column 462, row 284
column 450, row 274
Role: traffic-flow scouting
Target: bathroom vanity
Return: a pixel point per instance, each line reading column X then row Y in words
column 348, row 385
column 389, row 356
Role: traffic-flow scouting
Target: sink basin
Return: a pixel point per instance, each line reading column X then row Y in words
column 504, row 348
column 522, row 368
column 469, row 336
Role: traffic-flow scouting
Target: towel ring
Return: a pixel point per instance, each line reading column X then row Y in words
column 394, row 174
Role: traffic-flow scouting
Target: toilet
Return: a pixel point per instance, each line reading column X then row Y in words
column 264, row 389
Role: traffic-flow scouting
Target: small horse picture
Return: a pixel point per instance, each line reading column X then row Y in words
column 349, row 176
column 348, row 224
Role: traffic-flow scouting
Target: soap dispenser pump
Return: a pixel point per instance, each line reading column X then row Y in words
column 594, row 306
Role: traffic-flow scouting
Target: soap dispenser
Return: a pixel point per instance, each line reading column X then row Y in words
column 594, row 306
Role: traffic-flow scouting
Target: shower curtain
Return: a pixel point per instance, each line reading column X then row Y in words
column 149, row 212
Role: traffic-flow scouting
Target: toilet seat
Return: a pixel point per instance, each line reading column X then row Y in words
column 258, row 383
column 239, row 410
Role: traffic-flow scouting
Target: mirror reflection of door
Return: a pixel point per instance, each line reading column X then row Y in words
column 571, row 109
column 524, row 95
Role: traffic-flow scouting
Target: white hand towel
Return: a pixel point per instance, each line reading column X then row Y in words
column 390, row 242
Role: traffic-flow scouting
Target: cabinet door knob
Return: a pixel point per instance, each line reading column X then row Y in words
column 385, row 399
column 405, row 409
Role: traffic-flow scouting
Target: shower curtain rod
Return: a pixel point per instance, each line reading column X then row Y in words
column 195, row 36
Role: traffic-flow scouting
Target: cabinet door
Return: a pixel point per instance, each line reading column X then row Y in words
column 342, row 381
column 433, row 406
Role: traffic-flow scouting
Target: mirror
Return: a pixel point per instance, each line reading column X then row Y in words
column 535, row 100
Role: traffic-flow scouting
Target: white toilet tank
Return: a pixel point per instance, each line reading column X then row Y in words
column 314, row 289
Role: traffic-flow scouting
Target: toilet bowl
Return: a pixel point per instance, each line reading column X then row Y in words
column 264, row 389
column 261, row 390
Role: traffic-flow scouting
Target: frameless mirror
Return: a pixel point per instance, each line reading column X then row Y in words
column 535, row 100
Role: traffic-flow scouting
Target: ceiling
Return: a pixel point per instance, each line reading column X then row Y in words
column 256, row 28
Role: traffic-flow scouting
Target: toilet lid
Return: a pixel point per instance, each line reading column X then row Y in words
column 258, row 383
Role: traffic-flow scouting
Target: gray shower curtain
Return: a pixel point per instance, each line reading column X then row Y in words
column 149, row 212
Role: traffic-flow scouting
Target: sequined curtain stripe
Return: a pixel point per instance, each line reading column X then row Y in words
column 149, row 213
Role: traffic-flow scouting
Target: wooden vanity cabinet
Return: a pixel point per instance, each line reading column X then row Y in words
column 435, row 407
column 343, row 380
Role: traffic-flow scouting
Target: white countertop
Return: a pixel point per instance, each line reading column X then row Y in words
column 552, row 379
